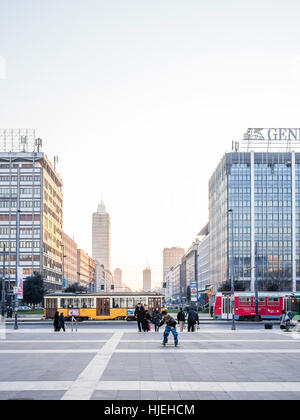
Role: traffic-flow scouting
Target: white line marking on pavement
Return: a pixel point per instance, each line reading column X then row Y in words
column 179, row 350
column 214, row 341
column 130, row 330
column 156, row 386
column 51, row 351
column 57, row 341
column 83, row 387
column 34, row 386
column 199, row 386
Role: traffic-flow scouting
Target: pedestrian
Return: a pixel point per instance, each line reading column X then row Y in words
column 181, row 319
column 61, row 322
column 8, row 311
column 282, row 320
column 56, row 321
column 170, row 327
column 156, row 319
column 146, row 322
column 193, row 318
column 139, row 314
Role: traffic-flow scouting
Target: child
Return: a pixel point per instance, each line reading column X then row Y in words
column 170, row 327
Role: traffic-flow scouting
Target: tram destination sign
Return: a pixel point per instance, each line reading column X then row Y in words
column 272, row 134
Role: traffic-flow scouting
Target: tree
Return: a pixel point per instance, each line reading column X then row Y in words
column 34, row 290
column 75, row 288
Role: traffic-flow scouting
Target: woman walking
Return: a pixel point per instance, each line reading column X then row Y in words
column 156, row 318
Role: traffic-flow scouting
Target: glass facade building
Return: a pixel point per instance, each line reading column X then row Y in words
column 263, row 191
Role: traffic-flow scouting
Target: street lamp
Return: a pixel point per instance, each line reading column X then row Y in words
column 3, row 284
column 16, row 327
column 232, row 271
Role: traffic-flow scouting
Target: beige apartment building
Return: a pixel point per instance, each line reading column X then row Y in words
column 118, row 280
column 171, row 258
column 85, row 268
column 70, row 259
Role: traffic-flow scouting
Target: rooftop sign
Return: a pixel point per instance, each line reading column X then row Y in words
column 272, row 134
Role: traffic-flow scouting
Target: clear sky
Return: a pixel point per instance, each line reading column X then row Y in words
column 140, row 99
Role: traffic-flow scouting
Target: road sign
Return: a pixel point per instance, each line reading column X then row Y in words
column 209, row 292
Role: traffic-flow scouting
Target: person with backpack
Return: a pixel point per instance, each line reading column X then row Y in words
column 193, row 318
column 181, row 319
column 170, row 327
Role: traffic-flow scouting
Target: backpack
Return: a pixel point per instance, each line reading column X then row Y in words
column 192, row 316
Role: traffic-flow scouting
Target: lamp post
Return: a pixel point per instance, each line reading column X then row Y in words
column 232, row 272
column 3, row 284
column 16, row 327
column 256, row 286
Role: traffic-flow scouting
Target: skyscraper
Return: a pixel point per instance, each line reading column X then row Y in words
column 101, row 236
column 147, row 279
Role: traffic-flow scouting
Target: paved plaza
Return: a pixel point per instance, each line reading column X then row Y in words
column 113, row 361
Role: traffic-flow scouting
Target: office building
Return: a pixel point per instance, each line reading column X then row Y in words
column 85, row 269
column 118, row 279
column 254, row 213
column 147, row 279
column 101, row 242
column 171, row 257
column 31, row 204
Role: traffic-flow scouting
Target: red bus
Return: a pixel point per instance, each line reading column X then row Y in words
column 270, row 305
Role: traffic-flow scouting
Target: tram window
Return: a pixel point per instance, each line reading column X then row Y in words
column 131, row 303
column 116, row 303
column 62, row 303
column 273, row 300
column 69, row 303
column 75, row 303
column 261, row 301
column 143, row 301
column 244, row 300
column 84, row 303
column 123, row 303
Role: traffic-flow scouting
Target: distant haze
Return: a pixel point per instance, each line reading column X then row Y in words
column 140, row 99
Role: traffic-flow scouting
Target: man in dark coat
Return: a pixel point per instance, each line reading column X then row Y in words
column 61, row 322
column 56, row 321
column 140, row 315
column 181, row 319
column 193, row 318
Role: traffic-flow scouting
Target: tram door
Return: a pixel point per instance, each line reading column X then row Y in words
column 103, row 306
column 226, row 307
column 153, row 303
column 51, row 307
column 287, row 304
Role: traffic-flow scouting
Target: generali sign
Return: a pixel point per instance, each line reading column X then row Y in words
column 273, row 134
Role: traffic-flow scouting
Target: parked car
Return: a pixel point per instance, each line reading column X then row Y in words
column 24, row 308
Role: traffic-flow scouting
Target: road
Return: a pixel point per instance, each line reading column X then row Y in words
column 113, row 361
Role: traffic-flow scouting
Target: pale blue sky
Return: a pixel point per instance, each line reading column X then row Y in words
column 140, row 99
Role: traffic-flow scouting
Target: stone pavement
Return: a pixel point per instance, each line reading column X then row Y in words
column 114, row 362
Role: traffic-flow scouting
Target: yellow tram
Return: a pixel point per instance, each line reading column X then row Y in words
column 83, row 306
